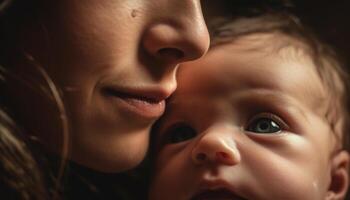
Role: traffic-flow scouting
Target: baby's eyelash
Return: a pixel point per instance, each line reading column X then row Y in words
column 179, row 132
column 173, row 133
column 266, row 123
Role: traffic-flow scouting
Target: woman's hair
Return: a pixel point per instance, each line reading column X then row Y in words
column 328, row 65
column 20, row 174
column 25, row 171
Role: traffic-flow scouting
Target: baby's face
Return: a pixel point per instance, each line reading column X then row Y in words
column 245, row 123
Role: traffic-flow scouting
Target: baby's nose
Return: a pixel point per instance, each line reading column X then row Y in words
column 218, row 148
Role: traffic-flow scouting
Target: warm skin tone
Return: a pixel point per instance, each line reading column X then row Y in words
column 249, row 125
column 115, row 62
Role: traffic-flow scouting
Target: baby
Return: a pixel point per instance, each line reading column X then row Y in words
column 263, row 116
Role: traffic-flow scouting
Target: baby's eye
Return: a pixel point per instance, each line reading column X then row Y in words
column 179, row 133
column 264, row 124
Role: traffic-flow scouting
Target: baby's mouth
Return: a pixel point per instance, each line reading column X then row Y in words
column 219, row 194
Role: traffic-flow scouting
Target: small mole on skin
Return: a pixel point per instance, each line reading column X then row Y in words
column 133, row 13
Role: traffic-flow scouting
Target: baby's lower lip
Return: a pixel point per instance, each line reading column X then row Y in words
column 221, row 194
column 141, row 106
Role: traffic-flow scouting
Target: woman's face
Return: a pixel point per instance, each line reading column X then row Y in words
column 115, row 62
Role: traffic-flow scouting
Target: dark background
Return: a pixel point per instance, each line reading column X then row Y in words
column 329, row 19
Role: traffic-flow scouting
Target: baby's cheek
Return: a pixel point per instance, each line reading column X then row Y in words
column 290, row 181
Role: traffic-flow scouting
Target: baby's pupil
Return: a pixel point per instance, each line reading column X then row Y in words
column 265, row 125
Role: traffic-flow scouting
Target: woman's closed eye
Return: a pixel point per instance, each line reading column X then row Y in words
column 266, row 123
column 179, row 133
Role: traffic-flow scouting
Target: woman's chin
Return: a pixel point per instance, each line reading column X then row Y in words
column 119, row 164
column 123, row 155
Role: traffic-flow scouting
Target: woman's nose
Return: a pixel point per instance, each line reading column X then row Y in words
column 219, row 149
column 181, row 34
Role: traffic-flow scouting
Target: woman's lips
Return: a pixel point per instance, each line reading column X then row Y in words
column 218, row 194
column 147, row 105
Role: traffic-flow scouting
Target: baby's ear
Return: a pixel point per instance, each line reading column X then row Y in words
column 339, row 176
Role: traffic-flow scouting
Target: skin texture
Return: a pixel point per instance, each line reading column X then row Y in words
column 132, row 46
column 205, row 141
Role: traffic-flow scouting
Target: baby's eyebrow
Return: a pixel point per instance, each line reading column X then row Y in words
column 266, row 96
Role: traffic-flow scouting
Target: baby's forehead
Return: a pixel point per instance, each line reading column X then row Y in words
column 270, row 61
column 269, row 43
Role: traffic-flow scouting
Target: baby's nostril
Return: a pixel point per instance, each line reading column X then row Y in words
column 222, row 155
column 171, row 53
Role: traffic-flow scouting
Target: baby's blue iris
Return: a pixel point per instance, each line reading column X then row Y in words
column 264, row 125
